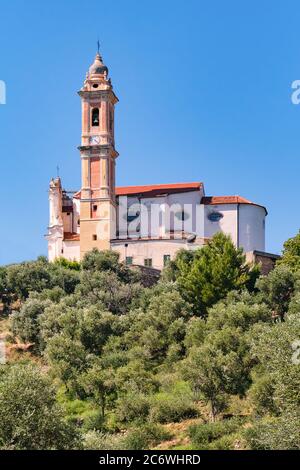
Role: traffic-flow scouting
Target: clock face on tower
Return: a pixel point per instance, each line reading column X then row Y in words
column 95, row 139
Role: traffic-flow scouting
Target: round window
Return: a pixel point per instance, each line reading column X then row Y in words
column 215, row 216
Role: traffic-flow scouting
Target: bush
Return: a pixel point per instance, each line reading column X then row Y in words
column 25, row 323
column 136, row 439
column 281, row 433
column 172, row 408
column 204, row 434
column 224, row 443
column 133, row 407
column 145, row 436
column 30, row 416
column 94, row 440
column 94, row 421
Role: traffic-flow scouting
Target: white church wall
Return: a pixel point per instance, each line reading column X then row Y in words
column 154, row 249
column 227, row 224
column 169, row 205
column 52, row 249
column 252, row 227
column 55, row 243
column 71, row 250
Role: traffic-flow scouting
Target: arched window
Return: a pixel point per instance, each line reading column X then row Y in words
column 95, row 117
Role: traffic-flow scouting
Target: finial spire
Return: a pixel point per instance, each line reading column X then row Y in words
column 98, row 46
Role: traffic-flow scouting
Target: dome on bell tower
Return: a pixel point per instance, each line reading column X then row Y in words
column 98, row 68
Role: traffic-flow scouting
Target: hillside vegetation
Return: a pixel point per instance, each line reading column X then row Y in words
column 207, row 358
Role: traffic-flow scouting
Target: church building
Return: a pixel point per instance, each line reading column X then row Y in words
column 147, row 225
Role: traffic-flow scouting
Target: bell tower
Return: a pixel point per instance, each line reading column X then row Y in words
column 98, row 156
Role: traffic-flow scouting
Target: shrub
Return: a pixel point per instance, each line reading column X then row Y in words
column 94, row 421
column 144, row 436
column 202, row 435
column 137, row 439
column 173, row 407
column 281, row 433
column 25, row 323
column 95, row 440
column 132, row 407
column 224, row 443
column 30, row 416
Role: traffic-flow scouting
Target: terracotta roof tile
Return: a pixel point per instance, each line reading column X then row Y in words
column 154, row 189
column 68, row 236
column 158, row 189
column 215, row 200
column 225, row 200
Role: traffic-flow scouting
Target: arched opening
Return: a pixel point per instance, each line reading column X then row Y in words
column 95, row 117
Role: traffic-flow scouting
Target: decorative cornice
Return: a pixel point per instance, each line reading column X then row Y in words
column 101, row 150
column 98, row 94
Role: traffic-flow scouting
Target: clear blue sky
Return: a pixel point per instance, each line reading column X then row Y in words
column 204, row 91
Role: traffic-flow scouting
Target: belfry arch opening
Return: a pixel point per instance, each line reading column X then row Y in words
column 95, row 117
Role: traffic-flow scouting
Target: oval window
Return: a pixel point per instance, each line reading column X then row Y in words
column 215, row 216
column 181, row 215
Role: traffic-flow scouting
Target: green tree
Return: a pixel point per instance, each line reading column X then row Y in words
column 107, row 288
column 65, row 263
column 30, row 417
column 28, row 277
column 282, row 433
column 98, row 384
column 108, row 261
column 291, row 253
column 213, row 271
column 5, row 294
column 274, row 348
column 220, row 363
column 277, row 289
column 25, row 324
column 67, row 358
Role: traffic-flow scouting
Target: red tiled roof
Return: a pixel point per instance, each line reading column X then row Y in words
column 154, row 189
column 225, row 200
column 215, row 200
column 68, row 236
column 158, row 189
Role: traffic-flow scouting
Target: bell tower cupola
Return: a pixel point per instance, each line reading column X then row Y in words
column 98, row 156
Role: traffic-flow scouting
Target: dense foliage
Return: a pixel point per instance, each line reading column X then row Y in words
column 96, row 360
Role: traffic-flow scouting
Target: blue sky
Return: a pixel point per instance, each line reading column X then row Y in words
column 205, row 95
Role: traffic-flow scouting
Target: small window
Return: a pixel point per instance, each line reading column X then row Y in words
column 94, row 237
column 215, row 216
column 167, row 259
column 95, row 207
column 95, row 85
column 68, row 213
column 95, row 117
column 78, row 222
column 148, row 262
column 181, row 215
column 129, row 260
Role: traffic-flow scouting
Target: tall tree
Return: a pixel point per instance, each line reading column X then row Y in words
column 212, row 272
column 30, row 417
